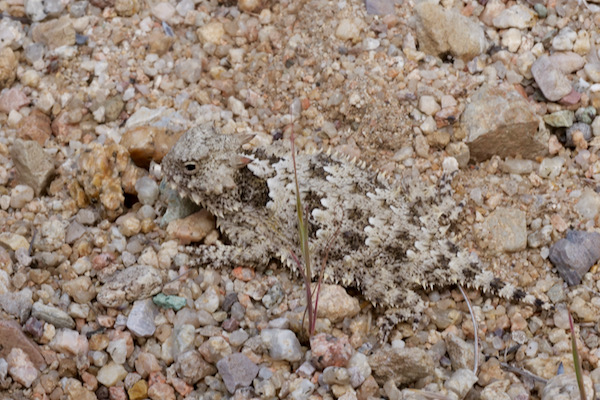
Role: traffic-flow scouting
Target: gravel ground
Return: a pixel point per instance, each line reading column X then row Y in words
column 96, row 296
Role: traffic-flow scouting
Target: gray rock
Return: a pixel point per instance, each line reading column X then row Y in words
column 499, row 121
column 140, row 320
column 282, row 344
column 52, row 315
column 74, row 231
column 552, row 82
column 505, row 230
column 540, row 237
column 77, row 9
column 517, row 166
column 567, row 61
column 113, row 108
column 189, row 70
column 461, row 382
column 575, row 255
column 237, row 371
column 55, row 33
column 402, row 365
column 34, row 166
column 273, row 297
column 54, row 7
column 336, row 376
column 51, row 235
column 441, row 31
column 147, row 190
column 379, row 7
column 564, row 387
column 585, row 130
column 3, row 369
column 34, row 9
column 85, row 216
column 585, row 114
column 237, row 338
column 177, row 207
column 133, row 283
column 541, row 10
column 588, row 205
column 460, row 352
column 18, row 303
column 359, row 369
column 518, row 16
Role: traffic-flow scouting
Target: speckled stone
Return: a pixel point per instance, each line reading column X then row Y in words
column 133, row 283
column 237, row 371
column 34, row 165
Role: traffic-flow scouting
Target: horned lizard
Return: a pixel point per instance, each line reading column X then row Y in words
column 393, row 236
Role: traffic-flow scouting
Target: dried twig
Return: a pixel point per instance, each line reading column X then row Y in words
column 523, row 372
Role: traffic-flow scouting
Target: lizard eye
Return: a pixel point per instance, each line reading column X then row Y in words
column 190, row 167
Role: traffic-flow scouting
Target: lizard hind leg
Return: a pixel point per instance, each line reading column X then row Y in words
column 219, row 256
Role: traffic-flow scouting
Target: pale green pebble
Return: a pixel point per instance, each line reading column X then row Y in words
column 174, row 302
column 541, row 10
column 562, row 118
column 585, row 114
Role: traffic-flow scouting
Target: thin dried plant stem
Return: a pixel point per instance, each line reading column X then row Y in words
column 475, row 332
column 576, row 359
column 523, row 372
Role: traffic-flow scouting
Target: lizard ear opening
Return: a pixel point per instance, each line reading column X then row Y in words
column 190, row 167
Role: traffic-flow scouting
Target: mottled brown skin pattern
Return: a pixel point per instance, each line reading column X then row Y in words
column 390, row 238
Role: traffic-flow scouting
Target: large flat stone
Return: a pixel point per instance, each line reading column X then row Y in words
column 499, row 121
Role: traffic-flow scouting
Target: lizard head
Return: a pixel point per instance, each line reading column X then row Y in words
column 204, row 163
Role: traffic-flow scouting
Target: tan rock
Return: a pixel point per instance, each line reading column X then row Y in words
column 8, row 67
column 499, row 121
column 11, row 336
column 36, row 126
column 192, row 228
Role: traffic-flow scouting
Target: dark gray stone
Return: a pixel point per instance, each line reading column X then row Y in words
column 585, row 129
column 575, row 255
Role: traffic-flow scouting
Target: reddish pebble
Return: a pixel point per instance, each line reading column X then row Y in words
column 161, row 391
column 571, row 98
column 230, row 324
column 89, row 381
column 106, row 321
column 102, row 260
column 12, row 99
column 156, row 377
column 182, row 388
column 146, row 363
column 117, row 393
column 35, row 126
column 243, row 274
column 330, row 351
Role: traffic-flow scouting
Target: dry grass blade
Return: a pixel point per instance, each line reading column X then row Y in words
column 475, row 332
column 523, row 372
column 576, row 359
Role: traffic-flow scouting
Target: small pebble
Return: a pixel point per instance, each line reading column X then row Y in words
column 282, row 344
